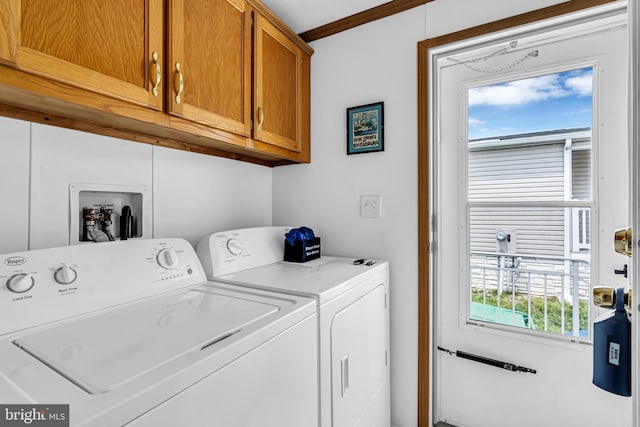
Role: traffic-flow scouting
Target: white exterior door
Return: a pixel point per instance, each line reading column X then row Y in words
column 519, row 237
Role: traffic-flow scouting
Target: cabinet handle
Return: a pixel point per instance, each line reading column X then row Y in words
column 156, row 74
column 179, row 83
column 260, row 117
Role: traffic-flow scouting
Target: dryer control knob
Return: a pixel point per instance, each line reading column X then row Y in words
column 65, row 275
column 234, row 247
column 167, row 258
column 20, row 283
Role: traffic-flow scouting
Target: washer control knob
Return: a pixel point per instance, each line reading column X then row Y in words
column 234, row 247
column 167, row 258
column 20, row 283
column 65, row 275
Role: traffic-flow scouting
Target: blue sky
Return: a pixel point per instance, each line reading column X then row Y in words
column 549, row 102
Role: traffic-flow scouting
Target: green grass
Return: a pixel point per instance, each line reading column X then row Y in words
column 554, row 311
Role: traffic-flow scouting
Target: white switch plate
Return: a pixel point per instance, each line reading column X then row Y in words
column 371, row 206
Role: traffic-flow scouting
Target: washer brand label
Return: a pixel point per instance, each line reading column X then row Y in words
column 34, row 415
column 15, row 261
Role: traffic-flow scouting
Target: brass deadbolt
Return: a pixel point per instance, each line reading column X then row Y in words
column 622, row 241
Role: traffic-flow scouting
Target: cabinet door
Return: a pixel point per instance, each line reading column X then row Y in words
column 210, row 63
column 104, row 47
column 278, row 86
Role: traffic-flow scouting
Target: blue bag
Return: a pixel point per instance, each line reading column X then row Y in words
column 612, row 350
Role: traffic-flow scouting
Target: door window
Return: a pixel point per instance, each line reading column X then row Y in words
column 529, row 201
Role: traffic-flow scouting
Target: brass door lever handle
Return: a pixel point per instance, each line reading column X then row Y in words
column 605, row 297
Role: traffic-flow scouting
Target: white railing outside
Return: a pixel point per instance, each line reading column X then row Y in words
column 533, row 276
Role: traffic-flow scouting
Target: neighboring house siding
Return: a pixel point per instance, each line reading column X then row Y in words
column 539, row 231
column 581, row 174
column 518, row 173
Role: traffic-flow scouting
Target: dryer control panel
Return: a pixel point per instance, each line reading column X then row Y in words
column 231, row 251
column 56, row 283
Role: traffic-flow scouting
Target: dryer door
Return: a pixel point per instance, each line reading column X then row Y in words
column 359, row 362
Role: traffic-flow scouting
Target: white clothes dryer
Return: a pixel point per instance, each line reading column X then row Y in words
column 132, row 333
column 353, row 311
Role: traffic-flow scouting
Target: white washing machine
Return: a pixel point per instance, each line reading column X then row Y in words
column 352, row 303
column 132, row 333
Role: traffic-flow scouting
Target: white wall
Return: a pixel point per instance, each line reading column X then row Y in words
column 60, row 157
column 376, row 62
column 193, row 194
column 14, row 185
column 445, row 17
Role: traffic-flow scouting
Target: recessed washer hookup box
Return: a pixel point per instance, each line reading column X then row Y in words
column 302, row 250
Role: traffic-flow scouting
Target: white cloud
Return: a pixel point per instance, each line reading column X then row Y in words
column 518, row 92
column 475, row 122
column 582, row 84
column 535, row 89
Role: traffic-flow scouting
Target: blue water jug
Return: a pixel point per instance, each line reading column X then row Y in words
column 612, row 350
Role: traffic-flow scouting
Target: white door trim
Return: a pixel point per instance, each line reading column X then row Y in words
column 634, row 138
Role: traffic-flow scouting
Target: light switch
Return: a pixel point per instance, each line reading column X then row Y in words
column 371, row 206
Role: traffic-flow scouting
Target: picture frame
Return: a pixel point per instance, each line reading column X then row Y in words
column 365, row 128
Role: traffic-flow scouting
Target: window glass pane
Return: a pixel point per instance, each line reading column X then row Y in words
column 533, row 105
column 520, row 274
column 529, row 192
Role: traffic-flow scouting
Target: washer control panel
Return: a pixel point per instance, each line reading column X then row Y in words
column 168, row 258
column 65, row 275
column 50, row 284
column 21, row 282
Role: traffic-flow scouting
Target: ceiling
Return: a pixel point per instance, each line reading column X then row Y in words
column 303, row 15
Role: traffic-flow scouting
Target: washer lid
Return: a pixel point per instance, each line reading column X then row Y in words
column 101, row 352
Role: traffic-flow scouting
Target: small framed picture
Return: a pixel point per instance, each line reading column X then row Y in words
column 365, row 128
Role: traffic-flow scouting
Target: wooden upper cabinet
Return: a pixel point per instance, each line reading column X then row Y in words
column 210, row 63
column 224, row 76
column 104, row 47
column 278, row 86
